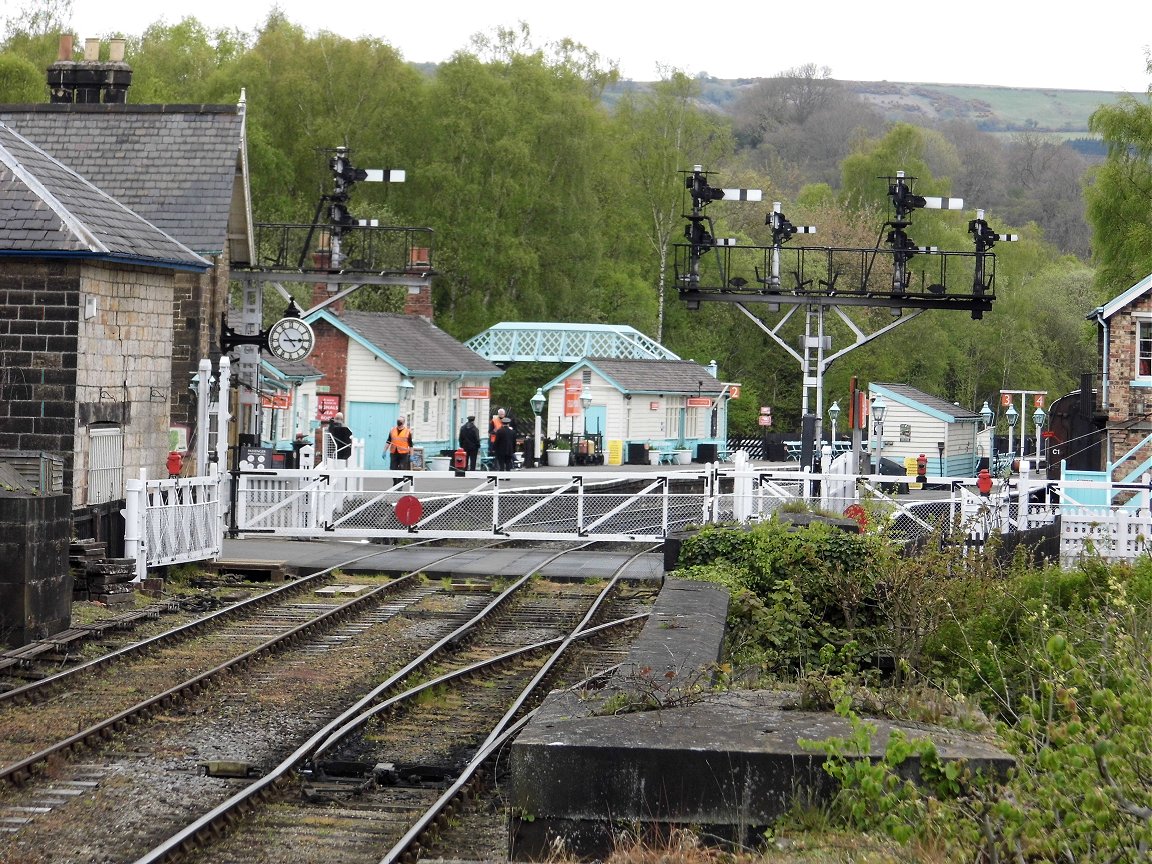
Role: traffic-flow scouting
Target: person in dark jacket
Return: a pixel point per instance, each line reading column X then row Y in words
column 341, row 436
column 470, row 441
column 505, row 445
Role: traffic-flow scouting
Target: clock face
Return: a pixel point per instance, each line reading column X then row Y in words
column 291, row 339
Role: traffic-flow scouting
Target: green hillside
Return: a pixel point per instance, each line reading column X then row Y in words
column 993, row 109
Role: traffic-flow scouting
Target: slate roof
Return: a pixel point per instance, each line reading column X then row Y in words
column 417, row 345
column 175, row 165
column 914, row 398
column 48, row 210
column 655, row 376
column 291, row 368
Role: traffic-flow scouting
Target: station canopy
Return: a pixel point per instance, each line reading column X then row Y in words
column 522, row 341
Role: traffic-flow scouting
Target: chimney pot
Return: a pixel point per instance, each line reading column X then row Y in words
column 91, row 49
column 65, row 50
column 116, row 50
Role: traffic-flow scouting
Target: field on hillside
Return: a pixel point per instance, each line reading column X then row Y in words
column 991, row 108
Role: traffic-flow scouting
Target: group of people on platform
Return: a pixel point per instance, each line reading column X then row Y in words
column 501, row 441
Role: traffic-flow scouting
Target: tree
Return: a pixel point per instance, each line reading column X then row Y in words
column 665, row 135
column 1120, row 198
column 20, row 81
column 515, row 179
column 181, row 62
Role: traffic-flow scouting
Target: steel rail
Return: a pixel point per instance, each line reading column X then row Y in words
column 402, row 849
column 17, row 772
column 213, row 822
column 35, row 689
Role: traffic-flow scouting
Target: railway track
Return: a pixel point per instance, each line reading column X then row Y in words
column 267, row 702
column 47, row 676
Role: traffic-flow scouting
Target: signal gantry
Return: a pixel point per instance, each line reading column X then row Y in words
column 818, row 278
column 835, row 276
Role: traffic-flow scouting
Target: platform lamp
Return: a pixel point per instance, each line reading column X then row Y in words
column 834, row 415
column 1011, row 415
column 537, row 403
column 585, row 404
column 404, row 389
column 879, row 409
column 986, row 419
column 1038, row 418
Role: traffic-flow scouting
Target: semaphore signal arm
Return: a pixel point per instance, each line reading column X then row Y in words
column 897, row 273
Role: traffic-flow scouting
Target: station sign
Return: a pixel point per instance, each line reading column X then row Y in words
column 699, row 402
column 475, row 393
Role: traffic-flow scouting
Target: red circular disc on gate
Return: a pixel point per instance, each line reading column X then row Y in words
column 409, row 510
column 855, row 511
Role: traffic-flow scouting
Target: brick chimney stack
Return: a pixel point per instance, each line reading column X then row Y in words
column 323, row 292
column 89, row 81
column 418, row 301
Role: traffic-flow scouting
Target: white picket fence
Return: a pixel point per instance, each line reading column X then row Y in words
column 183, row 520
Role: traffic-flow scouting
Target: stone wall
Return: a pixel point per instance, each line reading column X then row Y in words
column 124, row 368
column 198, row 304
column 35, row 582
column 38, row 357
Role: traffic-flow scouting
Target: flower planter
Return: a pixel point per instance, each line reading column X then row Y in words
column 557, row 458
column 439, row 463
column 653, row 457
column 683, row 457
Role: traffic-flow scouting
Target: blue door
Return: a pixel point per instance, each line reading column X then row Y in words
column 372, row 422
column 595, row 420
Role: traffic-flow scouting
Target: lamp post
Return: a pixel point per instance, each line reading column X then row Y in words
column 404, row 391
column 879, row 408
column 1011, row 415
column 986, row 419
column 537, row 403
column 834, row 415
column 1038, row 418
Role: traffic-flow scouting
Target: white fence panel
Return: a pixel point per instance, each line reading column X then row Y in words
column 173, row 521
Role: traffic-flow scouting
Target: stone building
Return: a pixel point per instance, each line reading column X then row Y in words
column 182, row 171
column 87, row 289
column 183, row 168
column 1125, row 343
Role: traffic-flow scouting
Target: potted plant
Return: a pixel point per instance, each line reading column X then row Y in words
column 681, row 453
column 560, row 453
column 653, row 453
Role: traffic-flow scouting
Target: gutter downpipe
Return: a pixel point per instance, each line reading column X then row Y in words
column 1105, row 353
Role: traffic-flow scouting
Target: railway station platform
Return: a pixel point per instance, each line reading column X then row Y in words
column 727, row 763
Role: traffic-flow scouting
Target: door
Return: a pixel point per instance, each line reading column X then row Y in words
column 372, row 421
column 595, row 420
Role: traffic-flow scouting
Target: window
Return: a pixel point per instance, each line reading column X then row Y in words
column 105, row 464
column 1144, row 349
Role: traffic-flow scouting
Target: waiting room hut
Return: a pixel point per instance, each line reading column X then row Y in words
column 917, row 423
column 675, row 409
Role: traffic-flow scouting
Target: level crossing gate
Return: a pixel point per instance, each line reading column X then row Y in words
column 185, row 520
column 527, row 505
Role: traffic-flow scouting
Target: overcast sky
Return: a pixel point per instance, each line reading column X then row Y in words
column 1020, row 43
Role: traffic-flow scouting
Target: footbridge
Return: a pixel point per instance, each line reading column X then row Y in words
column 512, row 342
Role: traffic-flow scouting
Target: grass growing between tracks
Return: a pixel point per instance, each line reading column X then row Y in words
column 1055, row 661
